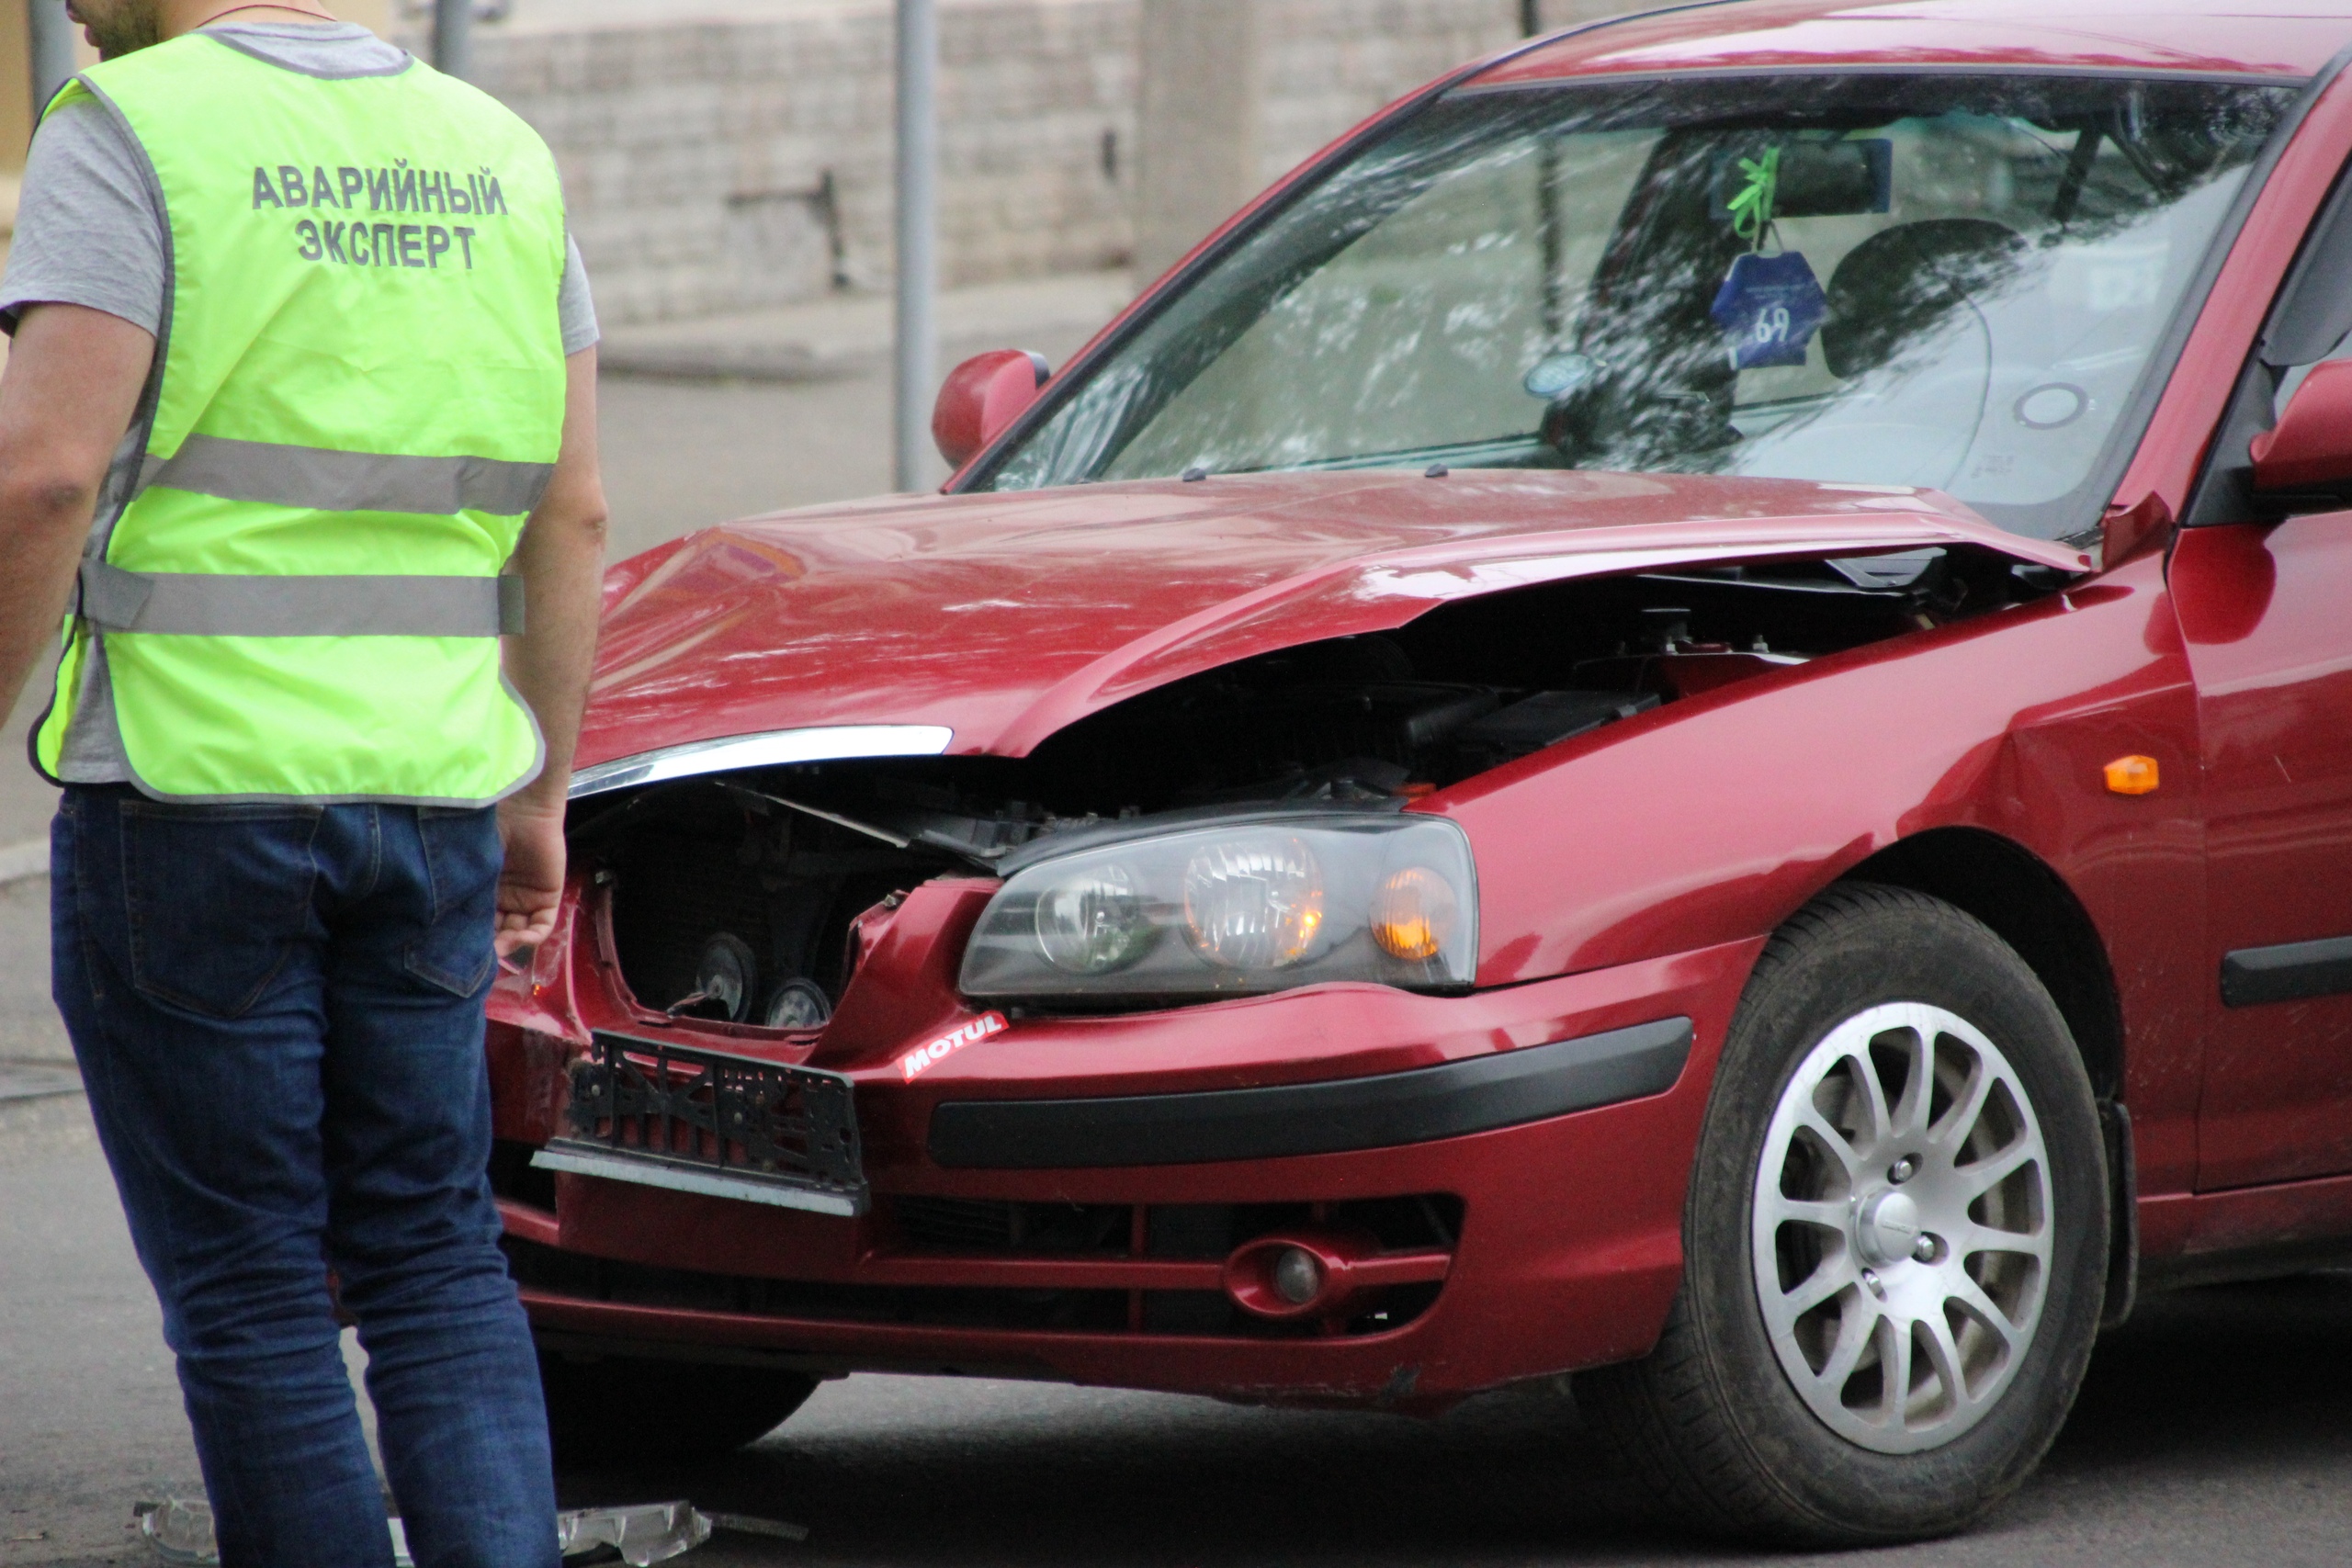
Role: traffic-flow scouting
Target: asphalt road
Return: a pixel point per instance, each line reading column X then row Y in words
column 2216, row 1428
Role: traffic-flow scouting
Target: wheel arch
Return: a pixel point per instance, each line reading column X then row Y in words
column 2029, row 906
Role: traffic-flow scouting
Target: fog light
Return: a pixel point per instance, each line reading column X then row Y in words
column 1297, row 1277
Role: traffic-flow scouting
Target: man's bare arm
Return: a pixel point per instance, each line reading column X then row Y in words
column 561, row 560
column 74, row 376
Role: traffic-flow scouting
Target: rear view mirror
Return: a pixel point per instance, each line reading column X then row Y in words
column 981, row 397
column 1816, row 179
column 2310, row 450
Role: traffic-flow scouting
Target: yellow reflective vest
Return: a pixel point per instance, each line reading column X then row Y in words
column 360, row 402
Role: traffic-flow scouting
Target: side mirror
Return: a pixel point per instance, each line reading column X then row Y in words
column 981, row 397
column 2311, row 449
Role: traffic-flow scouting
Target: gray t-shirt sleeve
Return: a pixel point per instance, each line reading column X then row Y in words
column 577, row 306
column 89, row 228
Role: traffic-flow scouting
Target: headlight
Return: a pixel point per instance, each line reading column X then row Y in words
column 1235, row 908
column 1253, row 902
column 1093, row 922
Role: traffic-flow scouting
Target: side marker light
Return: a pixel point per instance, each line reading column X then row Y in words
column 2131, row 776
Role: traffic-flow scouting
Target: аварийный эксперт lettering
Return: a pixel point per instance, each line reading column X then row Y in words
column 399, row 188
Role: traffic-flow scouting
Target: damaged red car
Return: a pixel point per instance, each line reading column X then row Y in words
column 1683, row 715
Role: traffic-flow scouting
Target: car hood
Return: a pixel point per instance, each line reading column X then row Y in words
column 1000, row 619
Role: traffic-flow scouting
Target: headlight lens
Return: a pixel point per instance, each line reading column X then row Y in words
column 1235, row 908
column 1254, row 902
column 1093, row 922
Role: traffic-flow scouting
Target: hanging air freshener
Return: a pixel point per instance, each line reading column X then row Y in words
column 1769, row 307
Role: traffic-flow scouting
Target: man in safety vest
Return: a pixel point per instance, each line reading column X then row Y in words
column 297, row 444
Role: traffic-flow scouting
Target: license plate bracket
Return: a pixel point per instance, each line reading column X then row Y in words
column 692, row 1120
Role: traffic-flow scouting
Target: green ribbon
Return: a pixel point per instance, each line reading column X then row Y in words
column 1751, row 210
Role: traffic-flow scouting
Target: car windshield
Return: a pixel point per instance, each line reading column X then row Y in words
column 1954, row 282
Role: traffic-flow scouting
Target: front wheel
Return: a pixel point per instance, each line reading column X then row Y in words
column 1896, row 1240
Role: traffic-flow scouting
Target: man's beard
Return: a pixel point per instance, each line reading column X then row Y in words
column 119, row 27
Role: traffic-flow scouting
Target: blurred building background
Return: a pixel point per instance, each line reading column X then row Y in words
column 723, row 155
column 728, row 154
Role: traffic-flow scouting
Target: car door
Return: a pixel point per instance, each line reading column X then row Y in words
column 2268, row 613
column 2266, row 608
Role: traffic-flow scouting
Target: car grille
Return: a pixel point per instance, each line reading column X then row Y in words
column 986, row 1225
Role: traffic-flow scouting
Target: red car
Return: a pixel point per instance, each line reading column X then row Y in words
column 1684, row 715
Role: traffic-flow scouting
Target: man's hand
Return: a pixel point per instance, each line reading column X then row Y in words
column 531, row 888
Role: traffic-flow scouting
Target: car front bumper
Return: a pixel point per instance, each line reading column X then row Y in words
column 1068, row 1197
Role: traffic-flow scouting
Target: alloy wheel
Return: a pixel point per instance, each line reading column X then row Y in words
column 1901, row 1228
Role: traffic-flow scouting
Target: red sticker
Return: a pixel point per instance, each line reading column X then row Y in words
column 914, row 1062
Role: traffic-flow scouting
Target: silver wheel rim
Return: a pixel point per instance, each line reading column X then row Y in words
column 1901, row 1227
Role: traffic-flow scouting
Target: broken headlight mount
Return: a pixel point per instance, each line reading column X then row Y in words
column 1241, row 906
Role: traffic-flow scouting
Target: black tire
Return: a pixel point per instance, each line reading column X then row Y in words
column 1710, row 1421
column 622, row 1410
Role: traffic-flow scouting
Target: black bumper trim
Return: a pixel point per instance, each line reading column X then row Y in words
column 2291, row 972
column 1472, row 1096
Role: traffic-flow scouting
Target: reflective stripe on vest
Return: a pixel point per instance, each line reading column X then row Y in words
column 325, row 480
column 217, row 604
column 302, row 596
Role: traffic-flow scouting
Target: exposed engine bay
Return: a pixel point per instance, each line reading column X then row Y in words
column 736, row 898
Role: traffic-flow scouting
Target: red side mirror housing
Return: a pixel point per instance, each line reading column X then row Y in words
column 2311, row 448
column 981, row 397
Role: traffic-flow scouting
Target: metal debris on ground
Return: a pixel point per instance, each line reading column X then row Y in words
column 655, row 1532
column 181, row 1532
column 652, row 1532
column 743, row 1524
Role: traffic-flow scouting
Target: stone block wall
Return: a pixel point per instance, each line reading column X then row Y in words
column 1331, row 63
column 732, row 165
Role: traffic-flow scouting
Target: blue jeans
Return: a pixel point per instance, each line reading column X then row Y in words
column 278, row 1013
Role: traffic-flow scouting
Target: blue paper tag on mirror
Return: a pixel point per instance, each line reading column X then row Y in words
column 1769, row 307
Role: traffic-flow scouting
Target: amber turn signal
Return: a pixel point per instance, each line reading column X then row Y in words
column 2133, row 775
column 1414, row 914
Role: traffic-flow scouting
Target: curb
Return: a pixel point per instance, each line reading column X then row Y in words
column 788, row 362
column 25, row 1081
column 20, row 861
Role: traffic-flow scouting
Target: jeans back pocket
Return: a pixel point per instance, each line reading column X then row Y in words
column 217, row 896
column 463, row 857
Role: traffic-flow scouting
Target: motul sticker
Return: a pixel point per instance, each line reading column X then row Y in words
column 915, row 1063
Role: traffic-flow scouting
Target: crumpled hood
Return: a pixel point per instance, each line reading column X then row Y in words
column 1005, row 617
